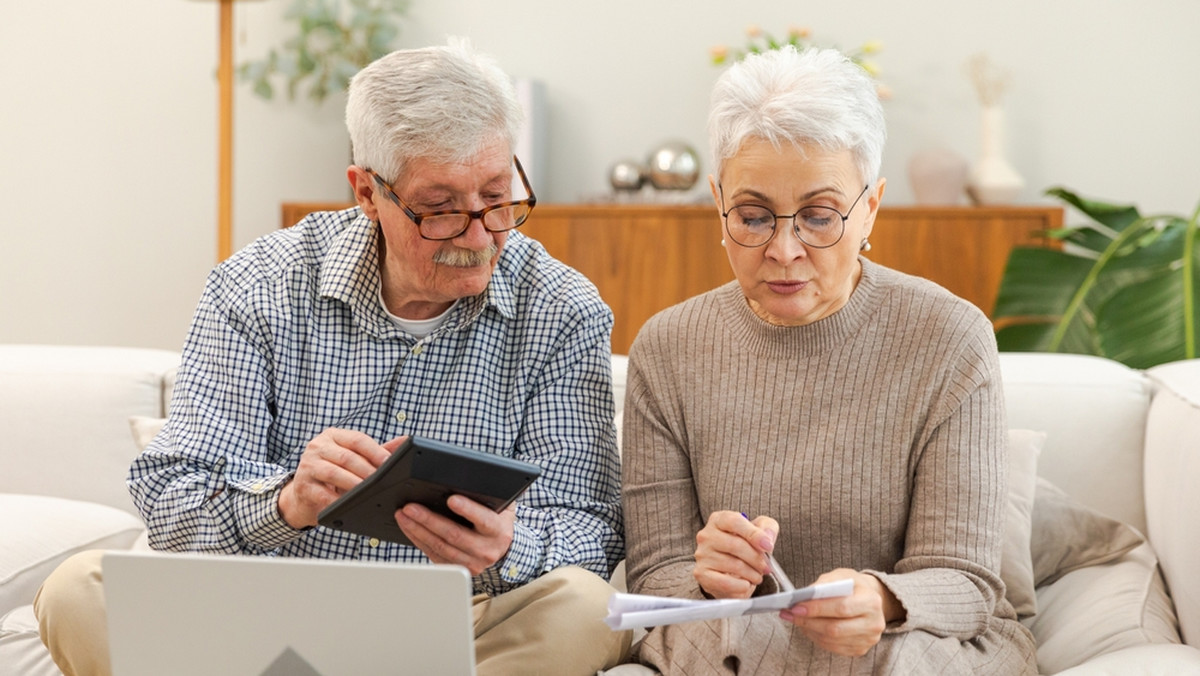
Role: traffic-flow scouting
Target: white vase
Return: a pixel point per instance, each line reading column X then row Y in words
column 992, row 179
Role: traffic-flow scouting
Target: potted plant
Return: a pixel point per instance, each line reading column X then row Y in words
column 334, row 40
column 1124, row 286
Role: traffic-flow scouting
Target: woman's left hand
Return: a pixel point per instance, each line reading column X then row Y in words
column 848, row 625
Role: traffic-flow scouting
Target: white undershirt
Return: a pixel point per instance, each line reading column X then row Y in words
column 417, row 327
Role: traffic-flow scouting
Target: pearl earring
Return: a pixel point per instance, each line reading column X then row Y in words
column 866, row 245
column 722, row 241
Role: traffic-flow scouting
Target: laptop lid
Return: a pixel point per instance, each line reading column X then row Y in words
column 186, row 614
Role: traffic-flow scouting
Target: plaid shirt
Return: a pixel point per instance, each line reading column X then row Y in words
column 290, row 338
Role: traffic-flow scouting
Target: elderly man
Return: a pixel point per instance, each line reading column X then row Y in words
column 315, row 350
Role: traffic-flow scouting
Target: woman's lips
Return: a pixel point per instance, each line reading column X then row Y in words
column 786, row 286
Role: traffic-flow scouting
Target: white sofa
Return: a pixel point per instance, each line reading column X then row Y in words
column 1121, row 442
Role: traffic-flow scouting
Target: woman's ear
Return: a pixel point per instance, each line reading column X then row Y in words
column 874, row 199
column 363, row 187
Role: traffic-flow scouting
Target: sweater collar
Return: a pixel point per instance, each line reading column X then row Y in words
column 819, row 337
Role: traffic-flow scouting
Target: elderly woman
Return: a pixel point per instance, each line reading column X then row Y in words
column 842, row 416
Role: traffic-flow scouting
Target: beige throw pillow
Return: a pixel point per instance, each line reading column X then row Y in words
column 1066, row 536
column 1016, row 565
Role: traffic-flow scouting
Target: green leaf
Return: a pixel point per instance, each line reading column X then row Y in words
column 1142, row 325
column 1124, row 287
column 1027, row 337
column 1039, row 282
column 264, row 89
column 1115, row 216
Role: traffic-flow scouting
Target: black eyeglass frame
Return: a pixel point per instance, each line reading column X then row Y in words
column 795, row 228
column 416, row 218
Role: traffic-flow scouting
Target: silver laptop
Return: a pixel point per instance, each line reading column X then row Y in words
column 185, row 614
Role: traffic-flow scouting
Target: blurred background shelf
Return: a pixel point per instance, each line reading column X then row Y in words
column 644, row 258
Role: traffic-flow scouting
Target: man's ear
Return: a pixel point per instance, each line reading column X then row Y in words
column 363, row 187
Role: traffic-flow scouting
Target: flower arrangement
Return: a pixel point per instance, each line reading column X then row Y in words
column 759, row 41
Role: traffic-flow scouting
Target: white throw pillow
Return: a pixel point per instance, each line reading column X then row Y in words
column 1016, row 566
column 38, row 532
column 145, row 429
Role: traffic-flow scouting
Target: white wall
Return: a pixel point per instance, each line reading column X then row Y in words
column 108, row 120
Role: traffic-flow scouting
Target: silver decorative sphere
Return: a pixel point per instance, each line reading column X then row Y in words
column 673, row 165
column 627, row 175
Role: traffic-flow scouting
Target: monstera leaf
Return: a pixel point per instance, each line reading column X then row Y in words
column 1124, row 286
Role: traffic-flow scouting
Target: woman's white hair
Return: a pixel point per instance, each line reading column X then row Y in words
column 815, row 96
column 444, row 103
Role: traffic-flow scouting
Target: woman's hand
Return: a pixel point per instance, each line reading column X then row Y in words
column 849, row 625
column 731, row 554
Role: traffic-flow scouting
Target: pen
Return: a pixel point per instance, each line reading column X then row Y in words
column 781, row 577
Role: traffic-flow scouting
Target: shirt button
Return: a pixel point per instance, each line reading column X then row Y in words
column 418, row 349
column 374, row 542
column 511, row 572
column 401, row 416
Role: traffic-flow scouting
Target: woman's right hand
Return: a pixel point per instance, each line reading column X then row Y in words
column 731, row 554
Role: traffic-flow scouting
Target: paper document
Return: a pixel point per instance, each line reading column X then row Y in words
column 629, row 611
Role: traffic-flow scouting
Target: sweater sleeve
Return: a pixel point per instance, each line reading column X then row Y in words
column 662, row 514
column 948, row 578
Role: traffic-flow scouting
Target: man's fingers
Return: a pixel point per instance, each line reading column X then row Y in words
column 361, row 444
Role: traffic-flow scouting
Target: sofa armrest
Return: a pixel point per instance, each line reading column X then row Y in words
column 1171, row 476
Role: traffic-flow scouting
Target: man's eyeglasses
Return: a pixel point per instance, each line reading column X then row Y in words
column 443, row 225
column 820, row 227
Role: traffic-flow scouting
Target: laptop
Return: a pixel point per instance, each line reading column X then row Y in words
column 201, row 614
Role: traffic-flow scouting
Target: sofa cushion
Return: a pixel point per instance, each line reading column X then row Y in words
column 1099, row 609
column 1016, row 566
column 1142, row 660
column 22, row 652
column 1067, row 536
column 38, row 532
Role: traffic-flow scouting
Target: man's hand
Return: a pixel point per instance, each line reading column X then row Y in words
column 332, row 463
column 446, row 541
column 731, row 554
column 849, row 625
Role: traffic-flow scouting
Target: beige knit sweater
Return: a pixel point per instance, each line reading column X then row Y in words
column 876, row 437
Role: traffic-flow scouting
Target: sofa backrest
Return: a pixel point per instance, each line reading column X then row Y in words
column 1093, row 411
column 64, row 417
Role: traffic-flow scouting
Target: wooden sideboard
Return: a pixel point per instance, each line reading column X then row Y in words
column 644, row 258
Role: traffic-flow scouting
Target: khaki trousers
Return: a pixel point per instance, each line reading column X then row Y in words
column 553, row 625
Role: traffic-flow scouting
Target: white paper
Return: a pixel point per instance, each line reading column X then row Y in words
column 629, row 611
